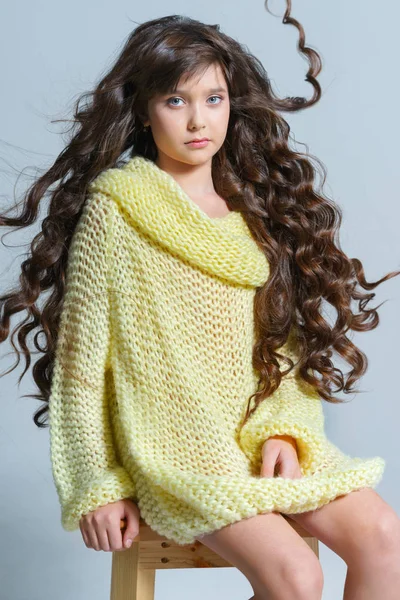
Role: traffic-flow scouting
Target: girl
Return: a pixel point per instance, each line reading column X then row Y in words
column 182, row 279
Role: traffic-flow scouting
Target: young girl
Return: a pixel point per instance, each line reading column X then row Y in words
column 183, row 278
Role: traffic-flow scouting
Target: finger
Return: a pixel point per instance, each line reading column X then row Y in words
column 287, row 465
column 299, row 474
column 290, row 470
column 269, row 461
column 84, row 535
column 92, row 535
column 132, row 526
column 89, row 535
column 102, row 535
column 115, row 536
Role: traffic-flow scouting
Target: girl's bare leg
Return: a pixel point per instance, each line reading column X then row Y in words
column 276, row 561
column 372, row 585
column 375, row 573
column 364, row 531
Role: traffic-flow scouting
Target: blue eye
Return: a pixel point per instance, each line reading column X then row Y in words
column 216, row 97
column 174, row 98
column 177, row 98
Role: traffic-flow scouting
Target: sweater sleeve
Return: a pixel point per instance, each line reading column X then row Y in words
column 294, row 409
column 84, row 463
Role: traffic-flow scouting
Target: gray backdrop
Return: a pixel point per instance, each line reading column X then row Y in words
column 51, row 53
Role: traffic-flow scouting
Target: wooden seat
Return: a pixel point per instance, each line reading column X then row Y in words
column 134, row 570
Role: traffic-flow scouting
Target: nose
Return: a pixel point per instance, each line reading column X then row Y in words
column 196, row 121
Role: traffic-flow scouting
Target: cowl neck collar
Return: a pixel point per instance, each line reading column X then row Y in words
column 153, row 201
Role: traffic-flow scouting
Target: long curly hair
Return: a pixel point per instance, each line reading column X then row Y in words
column 255, row 171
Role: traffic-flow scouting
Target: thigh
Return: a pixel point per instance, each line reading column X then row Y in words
column 349, row 522
column 266, row 549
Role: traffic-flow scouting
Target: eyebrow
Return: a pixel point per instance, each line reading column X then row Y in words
column 211, row 91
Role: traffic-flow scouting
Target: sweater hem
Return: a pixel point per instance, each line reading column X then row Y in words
column 302, row 495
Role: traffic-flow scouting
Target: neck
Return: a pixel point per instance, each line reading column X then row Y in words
column 195, row 179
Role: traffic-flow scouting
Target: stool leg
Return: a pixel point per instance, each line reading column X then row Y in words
column 313, row 543
column 128, row 581
column 146, row 582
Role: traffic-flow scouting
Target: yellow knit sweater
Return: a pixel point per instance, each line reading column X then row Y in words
column 153, row 370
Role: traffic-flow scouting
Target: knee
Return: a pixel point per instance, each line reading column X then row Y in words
column 386, row 533
column 305, row 580
column 300, row 578
column 379, row 543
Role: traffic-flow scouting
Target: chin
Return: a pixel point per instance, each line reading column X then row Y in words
column 195, row 160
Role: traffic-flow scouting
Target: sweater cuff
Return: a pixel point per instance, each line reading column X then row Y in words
column 311, row 443
column 110, row 487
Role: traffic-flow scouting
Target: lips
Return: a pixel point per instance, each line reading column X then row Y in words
column 202, row 140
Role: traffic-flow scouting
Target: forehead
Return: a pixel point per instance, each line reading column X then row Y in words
column 209, row 77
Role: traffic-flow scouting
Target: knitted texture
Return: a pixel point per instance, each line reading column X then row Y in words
column 153, row 370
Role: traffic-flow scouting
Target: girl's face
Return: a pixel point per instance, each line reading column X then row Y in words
column 198, row 109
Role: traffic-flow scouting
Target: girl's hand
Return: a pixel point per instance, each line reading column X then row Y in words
column 101, row 528
column 279, row 456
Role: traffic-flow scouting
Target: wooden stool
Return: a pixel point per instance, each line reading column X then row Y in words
column 134, row 569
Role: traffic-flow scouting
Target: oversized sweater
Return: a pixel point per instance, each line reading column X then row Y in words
column 153, row 370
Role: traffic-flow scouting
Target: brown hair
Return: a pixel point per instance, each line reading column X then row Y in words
column 255, row 171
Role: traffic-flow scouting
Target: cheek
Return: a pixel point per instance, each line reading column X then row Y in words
column 220, row 121
column 169, row 127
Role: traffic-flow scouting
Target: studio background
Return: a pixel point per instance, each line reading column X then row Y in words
column 50, row 54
